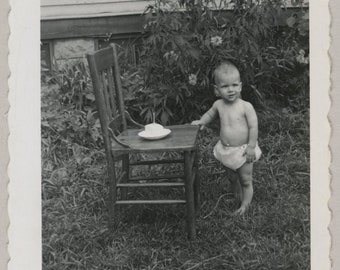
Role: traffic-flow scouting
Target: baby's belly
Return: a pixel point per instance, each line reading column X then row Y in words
column 234, row 136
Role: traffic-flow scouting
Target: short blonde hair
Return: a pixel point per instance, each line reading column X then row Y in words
column 226, row 67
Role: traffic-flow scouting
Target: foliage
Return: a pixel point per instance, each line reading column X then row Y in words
column 186, row 40
column 292, row 86
column 69, row 122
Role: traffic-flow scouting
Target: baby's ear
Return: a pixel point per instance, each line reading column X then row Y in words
column 217, row 94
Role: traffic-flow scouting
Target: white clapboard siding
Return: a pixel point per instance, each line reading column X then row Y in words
column 63, row 9
column 67, row 9
column 81, row 2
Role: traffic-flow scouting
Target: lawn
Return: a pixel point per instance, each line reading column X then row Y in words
column 274, row 233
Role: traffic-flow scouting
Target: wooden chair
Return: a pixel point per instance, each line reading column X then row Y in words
column 122, row 142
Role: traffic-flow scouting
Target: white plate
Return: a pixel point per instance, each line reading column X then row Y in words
column 156, row 136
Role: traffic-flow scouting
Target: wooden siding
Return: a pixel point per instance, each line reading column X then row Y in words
column 96, row 18
column 69, row 9
column 91, row 27
column 81, row 2
column 119, row 26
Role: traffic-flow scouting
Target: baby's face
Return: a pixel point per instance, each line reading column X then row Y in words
column 228, row 86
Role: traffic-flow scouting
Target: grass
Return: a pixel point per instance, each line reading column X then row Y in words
column 274, row 233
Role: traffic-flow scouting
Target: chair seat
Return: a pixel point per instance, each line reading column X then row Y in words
column 182, row 137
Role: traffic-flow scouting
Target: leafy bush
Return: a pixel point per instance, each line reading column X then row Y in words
column 69, row 121
column 186, row 40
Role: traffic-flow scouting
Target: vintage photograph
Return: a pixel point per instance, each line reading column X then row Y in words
column 175, row 134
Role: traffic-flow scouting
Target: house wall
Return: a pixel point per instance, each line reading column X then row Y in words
column 70, row 51
column 63, row 9
column 71, row 28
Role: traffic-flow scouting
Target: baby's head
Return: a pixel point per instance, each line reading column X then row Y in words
column 226, row 68
column 228, row 83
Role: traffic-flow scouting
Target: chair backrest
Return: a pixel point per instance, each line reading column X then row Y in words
column 105, row 74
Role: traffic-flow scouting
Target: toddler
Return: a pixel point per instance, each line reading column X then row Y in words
column 237, row 148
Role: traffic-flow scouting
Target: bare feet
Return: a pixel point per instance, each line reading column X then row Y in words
column 241, row 210
column 246, row 182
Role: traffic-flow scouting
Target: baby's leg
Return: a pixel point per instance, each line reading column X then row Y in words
column 246, row 178
column 235, row 185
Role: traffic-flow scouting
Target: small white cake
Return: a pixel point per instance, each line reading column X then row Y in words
column 153, row 128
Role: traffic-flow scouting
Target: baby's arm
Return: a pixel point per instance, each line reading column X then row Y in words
column 207, row 117
column 253, row 131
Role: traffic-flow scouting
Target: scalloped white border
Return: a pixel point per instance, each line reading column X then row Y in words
column 24, row 141
column 320, row 133
column 4, row 73
column 334, row 202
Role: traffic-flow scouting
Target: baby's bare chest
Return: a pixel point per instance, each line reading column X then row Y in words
column 232, row 117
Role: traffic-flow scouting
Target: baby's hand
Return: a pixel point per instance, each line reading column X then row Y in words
column 197, row 123
column 250, row 154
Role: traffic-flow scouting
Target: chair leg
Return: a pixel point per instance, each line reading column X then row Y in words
column 126, row 169
column 112, row 194
column 197, row 185
column 189, row 192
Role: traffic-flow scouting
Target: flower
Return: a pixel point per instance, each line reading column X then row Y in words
column 216, row 40
column 171, row 56
column 306, row 60
column 302, row 52
column 169, row 5
column 301, row 58
column 291, row 21
column 192, row 79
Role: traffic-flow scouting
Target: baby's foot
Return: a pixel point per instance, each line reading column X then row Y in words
column 241, row 210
